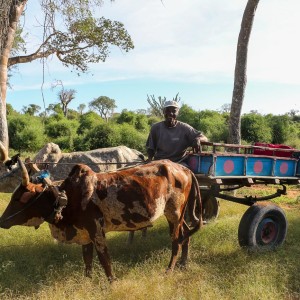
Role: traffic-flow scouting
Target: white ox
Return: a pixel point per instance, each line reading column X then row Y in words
column 60, row 164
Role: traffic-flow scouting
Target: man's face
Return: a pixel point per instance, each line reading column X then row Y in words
column 171, row 114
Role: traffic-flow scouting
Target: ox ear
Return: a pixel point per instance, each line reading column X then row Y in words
column 32, row 166
column 26, row 197
column 88, row 189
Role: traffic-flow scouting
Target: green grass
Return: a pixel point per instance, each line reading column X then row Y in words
column 32, row 266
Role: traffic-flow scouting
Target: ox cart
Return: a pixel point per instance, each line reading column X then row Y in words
column 220, row 168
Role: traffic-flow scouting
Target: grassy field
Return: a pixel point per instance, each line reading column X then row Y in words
column 33, row 266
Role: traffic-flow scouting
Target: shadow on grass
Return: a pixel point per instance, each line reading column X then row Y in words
column 23, row 268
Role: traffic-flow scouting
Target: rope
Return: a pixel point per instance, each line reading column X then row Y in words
column 90, row 164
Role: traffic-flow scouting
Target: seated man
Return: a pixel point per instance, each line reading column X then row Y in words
column 169, row 139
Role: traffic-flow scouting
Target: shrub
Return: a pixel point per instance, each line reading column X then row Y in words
column 61, row 128
column 87, row 121
column 101, row 136
column 62, row 133
column 26, row 133
column 255, row 128
column 132, row 137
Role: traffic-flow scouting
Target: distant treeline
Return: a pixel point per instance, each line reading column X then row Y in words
column 85, row 131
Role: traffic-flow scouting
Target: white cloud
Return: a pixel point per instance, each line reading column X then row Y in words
column 190, row 41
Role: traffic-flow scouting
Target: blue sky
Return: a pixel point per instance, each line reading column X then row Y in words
column 185, row 47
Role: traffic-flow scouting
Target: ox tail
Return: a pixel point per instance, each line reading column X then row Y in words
column 194, row 211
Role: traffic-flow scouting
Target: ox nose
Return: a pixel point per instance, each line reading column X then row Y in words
column 3, row 224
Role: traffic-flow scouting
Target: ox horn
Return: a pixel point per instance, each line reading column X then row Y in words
column 4, row 153
column 25, row 176
column 33, row 167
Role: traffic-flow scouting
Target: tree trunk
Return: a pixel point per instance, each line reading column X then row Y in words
column 240, row 76
column 10, row 13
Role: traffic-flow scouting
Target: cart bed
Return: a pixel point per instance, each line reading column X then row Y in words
column 215, row 167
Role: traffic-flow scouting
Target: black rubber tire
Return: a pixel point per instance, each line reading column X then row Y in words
column 210, row 206
column 262, row 227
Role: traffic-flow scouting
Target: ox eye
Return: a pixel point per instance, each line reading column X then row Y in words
column 26, row 197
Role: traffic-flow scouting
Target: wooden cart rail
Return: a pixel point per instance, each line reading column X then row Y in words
column 246, row 149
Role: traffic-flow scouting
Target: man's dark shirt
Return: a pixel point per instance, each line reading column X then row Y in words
column 171, row 142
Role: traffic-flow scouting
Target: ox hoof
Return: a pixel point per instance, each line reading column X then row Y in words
column 182, row 265
column 169, row 271
column 88, row 274
column 112, row 279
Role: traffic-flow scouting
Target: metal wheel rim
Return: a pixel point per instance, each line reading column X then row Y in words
column 268, row 231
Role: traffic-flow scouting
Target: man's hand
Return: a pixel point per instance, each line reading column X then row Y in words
column 150, row 153
column 148, row 160
column 196, row 146
column 197, row 143
column 203, row 138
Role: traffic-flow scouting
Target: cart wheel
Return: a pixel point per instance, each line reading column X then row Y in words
column 262, row 227
column 210, row 206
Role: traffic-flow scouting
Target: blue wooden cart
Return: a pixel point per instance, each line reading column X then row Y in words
column 220, row 168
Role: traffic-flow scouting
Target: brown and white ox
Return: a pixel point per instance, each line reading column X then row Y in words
column 128, row 199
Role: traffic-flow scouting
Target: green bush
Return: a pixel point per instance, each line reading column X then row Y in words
column 89, row 131
column 153, row 119
column 112, row 135
column 101, row 136
column 126, row 116
column 255, row 128
column 65, row 143
column 26, row 132
column 62, row 133
column 61, row 128
column 188, row 115
column 87, row 121
column 139, row 121
column 282, row 127
column 132, row 137
column 212, row 124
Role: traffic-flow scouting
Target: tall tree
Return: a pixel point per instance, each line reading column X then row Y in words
column 65, row 96
column 10, row 13
column 240, row 75
column 79, row 39
column 104, row 106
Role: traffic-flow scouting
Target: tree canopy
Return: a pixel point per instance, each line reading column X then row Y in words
column 69, row 30
column 104, row 106
column 83, row 41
